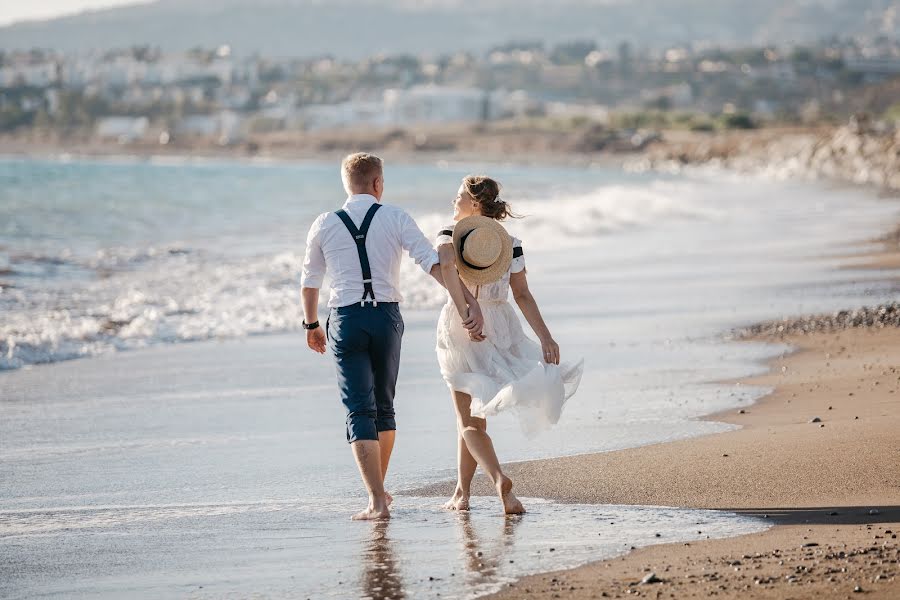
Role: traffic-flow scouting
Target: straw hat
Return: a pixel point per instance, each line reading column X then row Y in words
column 483, row 250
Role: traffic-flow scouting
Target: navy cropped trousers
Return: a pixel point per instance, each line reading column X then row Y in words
column 365, row 342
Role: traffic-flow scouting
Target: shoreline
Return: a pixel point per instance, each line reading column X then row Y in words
column 856, row 153
column 819, row 456
column 822, row 527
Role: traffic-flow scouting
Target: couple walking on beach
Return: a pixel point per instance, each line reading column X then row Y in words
column 485, row 358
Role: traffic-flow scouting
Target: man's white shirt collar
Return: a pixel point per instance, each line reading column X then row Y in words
column 360, row 199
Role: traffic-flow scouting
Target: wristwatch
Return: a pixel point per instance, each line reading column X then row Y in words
column 309, row 326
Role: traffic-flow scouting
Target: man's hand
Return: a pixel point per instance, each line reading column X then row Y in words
column 315, row 339
column 474, row 323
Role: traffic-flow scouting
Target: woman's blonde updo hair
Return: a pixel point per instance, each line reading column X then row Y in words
column 486, row 192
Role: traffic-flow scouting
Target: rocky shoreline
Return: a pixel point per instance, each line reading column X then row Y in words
column 878, row 317
column 857, row 153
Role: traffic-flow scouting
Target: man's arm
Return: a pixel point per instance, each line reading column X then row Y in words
column 315, row 338
column 310, row 281
column 420, row 249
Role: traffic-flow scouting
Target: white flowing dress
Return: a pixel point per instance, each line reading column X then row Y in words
column 506, row 371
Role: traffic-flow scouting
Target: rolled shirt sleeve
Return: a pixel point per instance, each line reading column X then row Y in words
column 518, row 261
column 444, row 236
column 313, row 273
column 416, row 244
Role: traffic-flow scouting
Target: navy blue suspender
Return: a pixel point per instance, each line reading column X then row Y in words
column 359, row 236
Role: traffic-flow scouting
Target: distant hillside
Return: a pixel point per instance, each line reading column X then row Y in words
column 354, row 28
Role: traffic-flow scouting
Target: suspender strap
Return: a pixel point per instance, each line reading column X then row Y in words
column 359, row 236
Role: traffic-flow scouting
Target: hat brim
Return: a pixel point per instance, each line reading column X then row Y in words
column 495, row 271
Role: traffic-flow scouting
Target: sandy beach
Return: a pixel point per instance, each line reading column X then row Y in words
column 184, row 452
column 819, row 457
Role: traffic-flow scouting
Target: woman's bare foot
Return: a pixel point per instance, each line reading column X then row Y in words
column 459, row 501
column 375, row 510
column 511, row 504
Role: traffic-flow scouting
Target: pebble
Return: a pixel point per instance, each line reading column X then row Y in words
column 651, row 578
column 815, row 420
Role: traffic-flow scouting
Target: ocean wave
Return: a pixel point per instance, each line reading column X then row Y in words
column 136, row 297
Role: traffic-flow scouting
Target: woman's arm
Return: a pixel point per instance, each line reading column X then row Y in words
column 461, row 297
column 475, row 321
column 518, row 282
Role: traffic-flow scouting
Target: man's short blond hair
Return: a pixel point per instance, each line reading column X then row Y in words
column 359, row 170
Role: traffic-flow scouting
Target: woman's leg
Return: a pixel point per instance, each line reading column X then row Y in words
column 465, row 466
column 479, row 445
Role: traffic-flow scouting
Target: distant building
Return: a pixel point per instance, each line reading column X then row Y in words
column 419, row 105
column 226, row 126
column 436, row 104
column 34, row 75
column 122, row 129
column 517, row 104
column 345, row 114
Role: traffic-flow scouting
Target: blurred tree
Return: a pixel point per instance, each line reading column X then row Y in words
column 571, row 53
column 521, row 45
column 739, row 120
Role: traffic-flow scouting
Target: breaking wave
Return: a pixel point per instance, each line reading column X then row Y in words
column 61, row 307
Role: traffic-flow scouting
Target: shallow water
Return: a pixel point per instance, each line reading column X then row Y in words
column 222, row 462
column 423, row 552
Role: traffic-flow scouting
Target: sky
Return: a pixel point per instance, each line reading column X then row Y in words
column 20, row 10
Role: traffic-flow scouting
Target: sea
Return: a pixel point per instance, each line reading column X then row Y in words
column 165, row 432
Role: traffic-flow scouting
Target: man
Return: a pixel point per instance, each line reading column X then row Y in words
column 361, row 247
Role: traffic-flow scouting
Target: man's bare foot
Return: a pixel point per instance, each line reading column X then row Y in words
column 375, row 510
column 459, row 501
column 511, row 504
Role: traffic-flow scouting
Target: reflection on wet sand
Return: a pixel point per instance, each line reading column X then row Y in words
column 381, row 579
column 484, row 561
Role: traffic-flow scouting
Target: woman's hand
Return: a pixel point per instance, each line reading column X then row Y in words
column 474, row 323
column 551, row 351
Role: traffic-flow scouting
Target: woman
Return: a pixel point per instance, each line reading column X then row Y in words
column 500, row 369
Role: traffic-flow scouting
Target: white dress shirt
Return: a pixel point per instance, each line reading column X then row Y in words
column 330, row 247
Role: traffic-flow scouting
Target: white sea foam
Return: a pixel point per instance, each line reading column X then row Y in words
column 165, row 294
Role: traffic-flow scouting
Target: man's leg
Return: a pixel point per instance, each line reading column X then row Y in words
column 350, row 346
column 368, row 459
column 386, row 440
column 385, row 356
